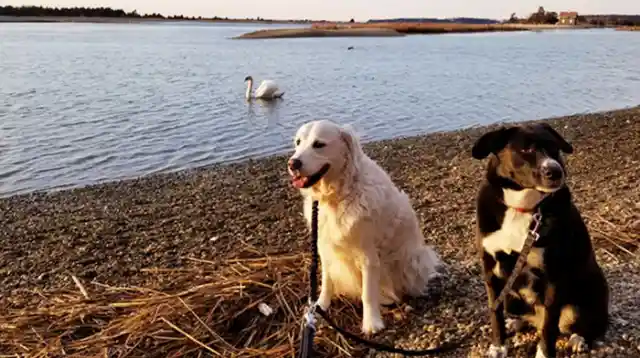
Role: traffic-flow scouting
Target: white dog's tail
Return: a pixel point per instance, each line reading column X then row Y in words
column 425, row 264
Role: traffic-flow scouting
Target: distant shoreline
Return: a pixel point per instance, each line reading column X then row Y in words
column 126, row 20
column 319, row 32
column 398, row 29
column 628, row 28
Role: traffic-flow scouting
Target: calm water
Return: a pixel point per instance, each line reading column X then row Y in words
column 81, row 103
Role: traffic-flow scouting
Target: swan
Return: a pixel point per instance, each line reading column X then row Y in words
column 267, row 89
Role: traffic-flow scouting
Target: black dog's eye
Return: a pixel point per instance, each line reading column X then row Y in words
column 318, row 145
column 297, row 141
column 527, row 150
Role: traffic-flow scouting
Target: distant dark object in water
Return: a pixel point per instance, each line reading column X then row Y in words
column 350, row 48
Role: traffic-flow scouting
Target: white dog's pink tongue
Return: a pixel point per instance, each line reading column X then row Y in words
column 299, row 182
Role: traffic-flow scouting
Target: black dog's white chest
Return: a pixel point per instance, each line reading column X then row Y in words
column 512, row 234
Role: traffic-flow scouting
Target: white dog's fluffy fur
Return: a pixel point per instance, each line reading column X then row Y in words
column 369, row 238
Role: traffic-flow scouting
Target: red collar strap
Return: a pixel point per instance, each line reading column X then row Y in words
column 522, row 210
column 525, row 210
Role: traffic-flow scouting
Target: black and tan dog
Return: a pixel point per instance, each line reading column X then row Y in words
column 561, row 289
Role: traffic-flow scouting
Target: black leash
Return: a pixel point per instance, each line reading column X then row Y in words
column 532, row 237
column 449, row 346
column 309, row 329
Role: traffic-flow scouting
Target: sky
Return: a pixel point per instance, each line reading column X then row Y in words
column 360, row 10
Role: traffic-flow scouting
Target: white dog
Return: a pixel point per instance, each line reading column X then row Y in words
column 369, row 239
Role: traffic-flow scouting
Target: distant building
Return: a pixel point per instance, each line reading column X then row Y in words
column 568, row 18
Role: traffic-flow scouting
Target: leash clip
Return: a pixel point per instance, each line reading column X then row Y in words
column 309, row 316
column 537, row 219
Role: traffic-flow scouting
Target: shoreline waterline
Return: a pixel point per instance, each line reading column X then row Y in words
column 282, row 156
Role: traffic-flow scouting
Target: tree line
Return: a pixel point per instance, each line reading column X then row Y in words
column 39, row 11
column 611, row 20
column 551, row 17
column 69, row 11
column 539, row 17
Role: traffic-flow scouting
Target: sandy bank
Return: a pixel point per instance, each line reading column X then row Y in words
column 226, row 238
column 551, row 26
column 424, row 27
column 628, row 28
column 315, row 32
column 376, row 30
column 445, row 28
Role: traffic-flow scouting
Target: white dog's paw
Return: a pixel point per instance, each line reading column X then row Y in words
column 514, row 325
column 372, row 323
column 324, row 301
column 577, row 344
column 540, row 353
column 497, row 352
column 387, row 301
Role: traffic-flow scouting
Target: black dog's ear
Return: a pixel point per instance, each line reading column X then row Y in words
column 562, row 143
column 492, row 142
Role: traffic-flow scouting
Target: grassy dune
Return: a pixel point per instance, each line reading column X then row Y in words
column 320, row 32
column 376, row 30
column 423, row 27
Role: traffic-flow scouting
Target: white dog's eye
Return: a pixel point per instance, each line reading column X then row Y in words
column 298, row 142
column 318, row 145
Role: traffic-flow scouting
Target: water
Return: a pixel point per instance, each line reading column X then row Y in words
column 84, row 103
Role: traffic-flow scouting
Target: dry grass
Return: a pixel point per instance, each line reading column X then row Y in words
column 628, row 28
column 319, row 32
column 424, row 27
column 212, row 311
column 620, row 237
column 201, row 310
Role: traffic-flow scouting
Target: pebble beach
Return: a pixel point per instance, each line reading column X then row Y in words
column 113, row 233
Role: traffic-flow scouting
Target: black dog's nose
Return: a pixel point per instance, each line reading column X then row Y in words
column 552, row 172
column 295, row 164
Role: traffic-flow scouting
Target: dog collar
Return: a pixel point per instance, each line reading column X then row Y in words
column 526, row 210
column 522, row 210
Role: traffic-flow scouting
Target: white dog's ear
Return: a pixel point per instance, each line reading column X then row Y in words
column 351, row 140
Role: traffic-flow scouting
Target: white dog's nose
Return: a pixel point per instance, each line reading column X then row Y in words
column 295, row 164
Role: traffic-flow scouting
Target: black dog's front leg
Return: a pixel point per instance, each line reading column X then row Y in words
column 498, row 326
column 494, row 286
column 550, row 324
